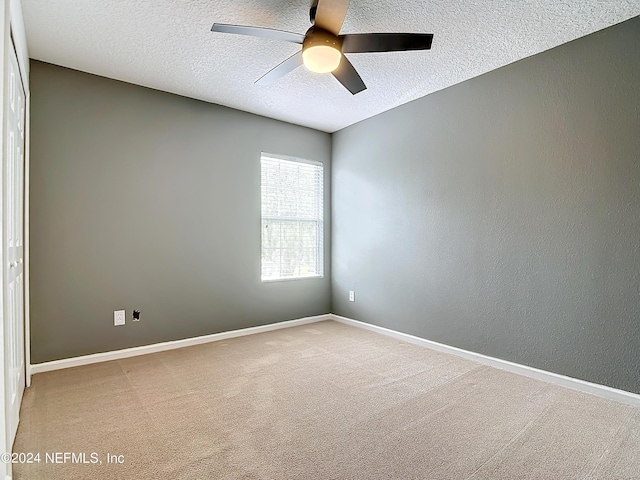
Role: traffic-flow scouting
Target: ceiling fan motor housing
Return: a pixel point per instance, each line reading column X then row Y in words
column 316, row 37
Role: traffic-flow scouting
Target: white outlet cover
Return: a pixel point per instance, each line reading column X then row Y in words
column 352, row 296
column 119, row 317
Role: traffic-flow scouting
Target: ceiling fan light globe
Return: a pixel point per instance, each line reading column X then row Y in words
column 321, row 58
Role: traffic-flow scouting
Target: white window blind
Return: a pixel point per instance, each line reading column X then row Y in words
column 292, row 227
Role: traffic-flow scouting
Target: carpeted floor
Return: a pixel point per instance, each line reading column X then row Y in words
column 321, row 401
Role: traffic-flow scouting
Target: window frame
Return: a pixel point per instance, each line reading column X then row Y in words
column 319, row 244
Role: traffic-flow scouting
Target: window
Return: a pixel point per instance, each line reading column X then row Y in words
column 292, row 208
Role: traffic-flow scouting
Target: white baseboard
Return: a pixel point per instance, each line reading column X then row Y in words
column 562, row 380
column 160, row 347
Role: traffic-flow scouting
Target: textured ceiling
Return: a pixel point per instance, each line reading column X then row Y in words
column 167, row 45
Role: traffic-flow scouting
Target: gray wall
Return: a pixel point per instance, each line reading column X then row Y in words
column 502, row 215
column 142, row 199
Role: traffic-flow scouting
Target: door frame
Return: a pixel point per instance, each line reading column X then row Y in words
column 13, row 36
column 18, row 41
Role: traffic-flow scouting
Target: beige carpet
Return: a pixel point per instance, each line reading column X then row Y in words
column 322, row 401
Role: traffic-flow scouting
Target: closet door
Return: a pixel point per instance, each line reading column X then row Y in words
column 13, row 246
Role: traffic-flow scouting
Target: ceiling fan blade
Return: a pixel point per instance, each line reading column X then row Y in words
column 348, row 77
column 289, row 65
column 258, row 32
column 330, row 14
column 385, row 42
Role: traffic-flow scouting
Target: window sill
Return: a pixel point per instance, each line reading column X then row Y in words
column 289, row 279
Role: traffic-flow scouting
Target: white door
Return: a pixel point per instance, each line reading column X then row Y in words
column 13, row 245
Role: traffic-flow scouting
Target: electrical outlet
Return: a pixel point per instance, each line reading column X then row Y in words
column 352, row 296
column 119, row 317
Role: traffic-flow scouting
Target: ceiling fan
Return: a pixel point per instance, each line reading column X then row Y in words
column 323, row 47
